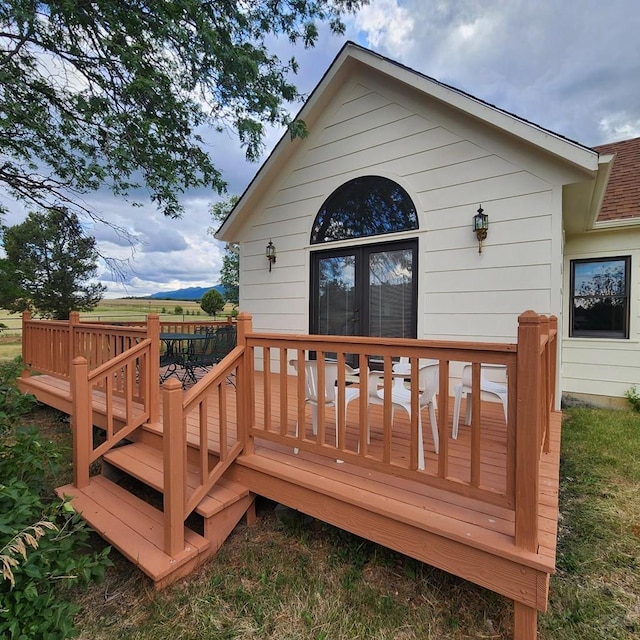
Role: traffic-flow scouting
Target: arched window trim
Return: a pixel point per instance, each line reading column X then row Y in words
column 345, row 207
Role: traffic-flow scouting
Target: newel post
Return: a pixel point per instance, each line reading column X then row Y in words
column 26, row 343
column 81, row 421
column 528, row 423
column 153, row 333
column 175, row 454
column 245, row 381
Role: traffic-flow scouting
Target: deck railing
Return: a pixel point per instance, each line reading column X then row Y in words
column 530, row 367
column 188, row 418
column 131, row 376
column 129, row 373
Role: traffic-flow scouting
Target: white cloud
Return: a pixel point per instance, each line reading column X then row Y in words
column 386, row 25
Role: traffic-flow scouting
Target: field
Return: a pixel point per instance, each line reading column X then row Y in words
column 107, row 311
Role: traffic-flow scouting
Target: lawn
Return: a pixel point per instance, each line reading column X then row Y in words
column 297, row 578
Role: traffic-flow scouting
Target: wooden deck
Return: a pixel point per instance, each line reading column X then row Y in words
column 485, row 507
column 480, row 524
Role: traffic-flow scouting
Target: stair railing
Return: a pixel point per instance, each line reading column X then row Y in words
column 130, row 372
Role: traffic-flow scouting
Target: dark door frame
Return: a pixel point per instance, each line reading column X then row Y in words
column 362, row 253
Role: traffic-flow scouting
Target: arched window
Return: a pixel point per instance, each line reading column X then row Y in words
column 362, row 207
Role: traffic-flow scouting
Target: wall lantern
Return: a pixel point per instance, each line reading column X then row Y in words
column 480, row 226
column 271, row 254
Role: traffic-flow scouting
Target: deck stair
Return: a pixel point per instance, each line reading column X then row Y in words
column 136, row 528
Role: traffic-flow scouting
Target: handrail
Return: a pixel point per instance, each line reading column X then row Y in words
column 129, row 371
column 207, row 399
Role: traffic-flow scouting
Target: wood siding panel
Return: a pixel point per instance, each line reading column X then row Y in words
column 346, row 157
column 500, row 187
column 473, row 301
column 384, row 125
column 462, row 280
column 595, row 366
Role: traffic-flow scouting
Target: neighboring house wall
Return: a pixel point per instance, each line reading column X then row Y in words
column 599, row 370
column 449, row 163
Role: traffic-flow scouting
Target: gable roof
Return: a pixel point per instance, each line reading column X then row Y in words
column 352, row 57
column 622, row 196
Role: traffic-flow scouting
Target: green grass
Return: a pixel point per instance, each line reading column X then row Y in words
column 596, row 592
column 296, row 578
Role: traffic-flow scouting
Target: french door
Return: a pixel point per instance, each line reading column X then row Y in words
column 369, row 290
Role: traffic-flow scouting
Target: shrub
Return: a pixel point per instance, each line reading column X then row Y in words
column 177, row 310
column 44, row 545
column 13, row 403
column 633, row 397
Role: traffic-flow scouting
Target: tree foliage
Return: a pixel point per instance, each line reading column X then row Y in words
column 48, row 266
column 230, row 271
column 212, row 302
column 119, row 93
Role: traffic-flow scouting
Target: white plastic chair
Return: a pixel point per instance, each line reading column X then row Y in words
column 498, row 389
column 329, row 397
column 401, row 397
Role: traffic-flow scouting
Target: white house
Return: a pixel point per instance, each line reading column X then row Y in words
column 369, row 219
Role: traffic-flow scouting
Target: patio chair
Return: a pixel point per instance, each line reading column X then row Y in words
column 170, row 360
column 498, row 389
column 329, row 396
column 201, row 355
column 401, row 397
column 225, row 339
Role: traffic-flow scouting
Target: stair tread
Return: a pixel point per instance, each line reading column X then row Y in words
column 146, row 464
column 131, row 525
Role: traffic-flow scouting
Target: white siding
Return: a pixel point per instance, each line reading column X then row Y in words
column 448, row 169
column 594, row 366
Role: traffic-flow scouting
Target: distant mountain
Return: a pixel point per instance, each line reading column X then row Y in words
column 190, row 293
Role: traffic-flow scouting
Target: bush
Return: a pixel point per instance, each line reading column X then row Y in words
column 44, row 545
column 13, row 403
column 633, row 397
column 177, row 310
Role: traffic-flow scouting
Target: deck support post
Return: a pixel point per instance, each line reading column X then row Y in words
column 26, row 336
column 175, row 461
column 153, row 333
column 81, row 421
column 525, row 622
column 528, row 423
column 245, row 383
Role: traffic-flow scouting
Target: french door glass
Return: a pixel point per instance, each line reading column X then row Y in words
column 369, row 290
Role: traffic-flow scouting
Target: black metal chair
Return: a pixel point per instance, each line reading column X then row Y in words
column 207, row 353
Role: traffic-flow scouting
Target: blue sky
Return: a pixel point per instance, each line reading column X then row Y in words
column 570, row 66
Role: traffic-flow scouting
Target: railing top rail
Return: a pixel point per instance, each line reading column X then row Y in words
column 368, row 342
column 55, row 323
column 117, row 361
column 198, row 392
column 110, row 328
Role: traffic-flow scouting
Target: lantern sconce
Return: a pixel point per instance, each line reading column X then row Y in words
column 480, row 226
column 271, row 254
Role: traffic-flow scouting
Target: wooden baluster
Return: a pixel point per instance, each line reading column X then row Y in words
column 153, row 368
column 244, row 388
column 27, row 342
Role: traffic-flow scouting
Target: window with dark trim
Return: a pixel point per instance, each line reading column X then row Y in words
column 600, row 298
column 363, row 207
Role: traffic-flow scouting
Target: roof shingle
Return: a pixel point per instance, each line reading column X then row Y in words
column 622, row 197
